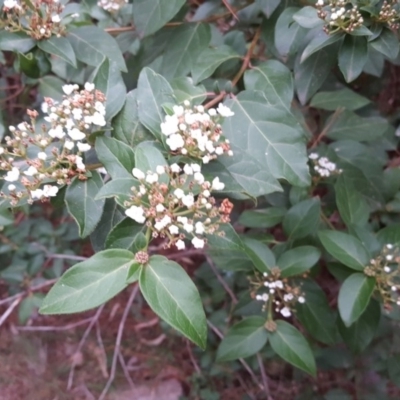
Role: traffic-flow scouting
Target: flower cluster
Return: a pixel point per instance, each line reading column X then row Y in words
column 339, row 15
column 40, row 19
column 176, row 203
column 385, row 268
column 323, row 167
column 54, row 154
column 196, row 133
column 389, row 14
column 277, row 294
column 111, row 5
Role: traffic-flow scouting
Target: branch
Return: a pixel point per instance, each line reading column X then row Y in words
column 264, row 378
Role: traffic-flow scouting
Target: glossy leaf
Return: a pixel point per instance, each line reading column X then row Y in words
column 60, row 47
column 353, row 55
column 127, row 234
column 243, row 340
column 172, row 295
column 345, row 98
column 89, row 284
column 259, row 253
column 18, row 41
column 387, row 44
column 298, row 260
column 262, row 218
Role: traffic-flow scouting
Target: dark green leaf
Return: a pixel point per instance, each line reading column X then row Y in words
column 298, row 260
column 260, row 254
column 387, row 44
column 172, row 295
column 243, row 340
column 345, row 248
column 354, row 297
column 319, row 42
column 60, row 47
column 262, row 218
column 353, row 55
column 307, row 17
column 18, row 42
column 345, row 98
column 89, row 284
column 127, row 234
column 119, row 188
column 82, row 205
column 291, row 345
column 393, row 364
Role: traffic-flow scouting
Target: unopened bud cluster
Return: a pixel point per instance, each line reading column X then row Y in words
column 176, row 204
column 389, row 14
column 323, row 167
column 339, row 15
column 54, row 154
column 276, row 294
column 40, row 19
column 385, row 269
column 112, row 6
column 196, row 133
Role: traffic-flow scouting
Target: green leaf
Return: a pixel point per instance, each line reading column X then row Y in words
column 360, row 334
column 127, row 127
column 51, row 86
column 127, row 234
column 386, row 44
column 260, row 254
column 18, row 42
column 184, row 89
column 89, row 284
column 243, row 340
column 276, row 146
column 60, row 47
column 389, row 235
column 319, row 42
column 345, row 248
column 352, row 206
column 153, row 91
column 345, row 98
column 263, row 217
column 393, row 364
column 91, row 44
column 298, row 260
column 151, row 15
column 354, row 297
column 116, row 156
column 302, row 219
column 148, row 158
column 28, row 65
column 184, row 46
column 82, row 205
column 291, row 345
column 353, row 55
column 274, row 80
column 310, row 75
column 307, row 17
column 268, row 6
column 119, row 188
column 173, row 297
column 316, row 315
column 108, row 79
column 209, row 60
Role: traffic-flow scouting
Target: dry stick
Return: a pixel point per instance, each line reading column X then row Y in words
column 192, row 358
column 333, row 119
column 264, row 378
column 93, row 320
column 54, row 328
column 118, row 342
column 67, row 257
column 125, row 369
column 10, row 310
column 230, row 9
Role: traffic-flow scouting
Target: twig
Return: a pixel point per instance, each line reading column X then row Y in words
column 9, row 310
column 264, row 378
column 192, row 359
column 230, row 9
column 222, row 280
column 333, row 119
column 67, row 257
column 328, row 222
column 125, row 369
column 93, row 320
column 118, row 342
column 53, row 328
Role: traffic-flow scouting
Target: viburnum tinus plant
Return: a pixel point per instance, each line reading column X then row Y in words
column 261, row 136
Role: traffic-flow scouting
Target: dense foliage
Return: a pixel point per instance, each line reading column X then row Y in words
column 260, row 134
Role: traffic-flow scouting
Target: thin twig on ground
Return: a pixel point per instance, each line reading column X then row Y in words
column 264, row 377
column 53, row 328
column 125, row 369
column 192, row 358
column 9, row 310
column 118, row 342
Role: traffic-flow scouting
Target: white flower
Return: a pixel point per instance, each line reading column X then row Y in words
column 42, row 31
column 37, row 194
column 265, row 297
column 89, row 87
column 389, row 246
column 224, row 111
column 313, row 156
column 173, row 230
column 44, row 107
column 69, row 144
column 175, row 141
column 198, row 243
column 394, row 288
column 160, row 170
column 56, row 132
column 12, row 175
column 83, row 147
column 199, row 178
column 181, row 219
column 136, row 213
column 320, row 2
column 196, row 167
column 179, row 193
column 77, row 114
column 219, row 150
column 160, row 208
column 217, row 185
column 76, row 134
column 1, row 150
column 50, row 191
column 11, row 187
column 68, row 89
column 199, row 228
column 188, row 170
column 286, row 312
column 210, row 147
column 334, row 16
column 259, row 297
column 180, row 244
column 170, row 125
column 55, row 19
column 10, row 4
column 175, row 168
column 79, row 163
column 188, row 200
column 138, row 174
column 389, row 257
column 288, row 297
column 178, row 110
column 151, row 177
column 212, row 112
column 42, row 155
column 206, row 159
column 279, row 284
column 188, row 227
column 99, row 106
column 386, row 269
column 98, row 119
column 301, row 299
column 31, row 171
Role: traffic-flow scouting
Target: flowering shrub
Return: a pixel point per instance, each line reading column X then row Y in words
column 261, row 136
